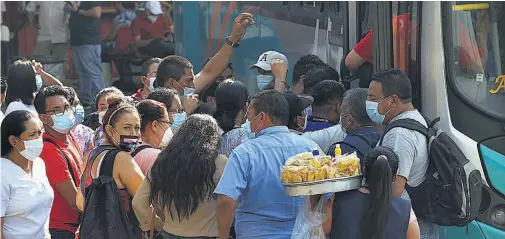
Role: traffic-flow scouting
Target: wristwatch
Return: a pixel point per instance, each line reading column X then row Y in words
column 232, row 44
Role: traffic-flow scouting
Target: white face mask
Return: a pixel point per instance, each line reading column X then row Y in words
column 33, row 148
column 167, row 136
column 100, row 117
column 152, row 18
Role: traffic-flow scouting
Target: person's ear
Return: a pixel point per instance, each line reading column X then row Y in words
column 395, row 177
column 12, row 140
column 171, row 83
column 108, row 130
column 46, row 119
column 144, row 80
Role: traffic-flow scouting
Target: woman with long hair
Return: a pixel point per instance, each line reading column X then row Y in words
column 181, row 182
column 373, row 212
column 26, row 194
column 155, row 132
column 121, row 127
column 25, row 78
column 231, row 100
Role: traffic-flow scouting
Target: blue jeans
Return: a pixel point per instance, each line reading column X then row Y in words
column 88, row 64
column 428, row 230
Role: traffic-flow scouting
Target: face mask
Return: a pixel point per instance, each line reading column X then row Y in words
column 151, row 83
column 100, row 117
column 167, row 136
column 152, row 18
column 342, row 126
column 188, row 91
column 128, row 143
column 247, row 129
column 33, row 148
column 79, row 114
column 64, row 123
column 38, row 82
column 263, row 80
column 372, row 110
column 179, row 118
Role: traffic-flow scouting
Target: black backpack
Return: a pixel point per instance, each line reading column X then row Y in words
column 104, row 215
column 451, row 193
column 139, row 148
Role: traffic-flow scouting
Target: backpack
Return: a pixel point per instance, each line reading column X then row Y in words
column 451, row 193
column 104, row 215
column 361, row 150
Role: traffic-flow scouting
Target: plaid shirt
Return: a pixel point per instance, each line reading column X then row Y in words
column 124, row 19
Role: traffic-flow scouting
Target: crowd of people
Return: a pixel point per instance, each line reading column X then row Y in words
column 195, row 156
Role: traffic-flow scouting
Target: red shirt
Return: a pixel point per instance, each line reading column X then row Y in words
column 57, row 171
column 142, row 27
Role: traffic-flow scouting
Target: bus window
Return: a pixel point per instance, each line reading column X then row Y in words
column 478, row 50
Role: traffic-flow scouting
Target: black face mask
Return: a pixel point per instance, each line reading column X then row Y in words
column 128, row 143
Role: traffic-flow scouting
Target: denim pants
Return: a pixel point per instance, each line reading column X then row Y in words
column 428, row 230
column 61, row 234
column 88, row 64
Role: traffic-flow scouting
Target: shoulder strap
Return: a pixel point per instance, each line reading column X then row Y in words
column 70, row 169
column 406, row 124
column 107, row 164
column 140, row 148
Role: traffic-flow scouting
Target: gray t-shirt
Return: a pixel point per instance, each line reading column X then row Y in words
column 411, row 148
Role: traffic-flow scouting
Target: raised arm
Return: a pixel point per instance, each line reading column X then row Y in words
column 220, row 61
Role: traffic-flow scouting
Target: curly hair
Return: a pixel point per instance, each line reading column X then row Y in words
column 183, row 174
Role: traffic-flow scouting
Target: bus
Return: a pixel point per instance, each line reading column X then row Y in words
column 453, row 53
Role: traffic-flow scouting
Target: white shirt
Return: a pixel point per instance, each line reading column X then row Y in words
column 18, row 105
column 52, row 21
column 26, row 201
column 326, row 137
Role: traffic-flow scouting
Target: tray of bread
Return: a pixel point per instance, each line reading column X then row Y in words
column 310, row 173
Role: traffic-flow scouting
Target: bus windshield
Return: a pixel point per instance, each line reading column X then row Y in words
column 478, row 46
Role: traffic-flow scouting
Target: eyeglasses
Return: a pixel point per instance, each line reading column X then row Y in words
column 179, row 110
column 60, row 112
column 165, row 121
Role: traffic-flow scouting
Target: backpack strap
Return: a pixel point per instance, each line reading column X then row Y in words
column 70, row 169
column 140, row 148
column 107, row 164
column 406, row 124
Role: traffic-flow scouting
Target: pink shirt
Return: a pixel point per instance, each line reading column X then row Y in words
column 145, row 158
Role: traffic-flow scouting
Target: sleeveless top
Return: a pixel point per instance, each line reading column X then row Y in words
column 349, row 209
column 86, row 179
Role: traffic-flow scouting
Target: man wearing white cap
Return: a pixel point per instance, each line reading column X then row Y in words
column 151, row 31
column 271, row 65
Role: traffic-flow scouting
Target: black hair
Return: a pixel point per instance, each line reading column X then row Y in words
column 163, row 95
column 107, row 91
column 171, row 67
column 231, row 98
column 14, row 124
column 72, row 95
column 21, row 82
column 183, row 174
column 318, row 74
column 148, row 63
column 354, row 103
column 327, row 91
column 117, row 107
column 3, row 86
column 52, row 90
column 206, row 108
column 211, row 89
column 304, row 64
column 394, row 82
column 128, row 5
column 149, row 111
column 381, row 165
column 274, row 104
column 295, row 109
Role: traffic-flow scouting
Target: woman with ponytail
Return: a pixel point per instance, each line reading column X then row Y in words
column 373, row 212
column 231, row 100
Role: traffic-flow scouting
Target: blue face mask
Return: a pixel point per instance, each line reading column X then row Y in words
column 247, row 129
column 188, row 91
column 38, row 82
column 179, row 118
column 372, row 110
column 263, row 81
column 63, row 123
column 79, row 114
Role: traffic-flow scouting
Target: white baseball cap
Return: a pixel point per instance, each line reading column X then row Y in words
column 154, row 7
column 265, row 60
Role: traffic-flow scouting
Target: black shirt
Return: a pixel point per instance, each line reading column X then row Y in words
column 84, row 30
